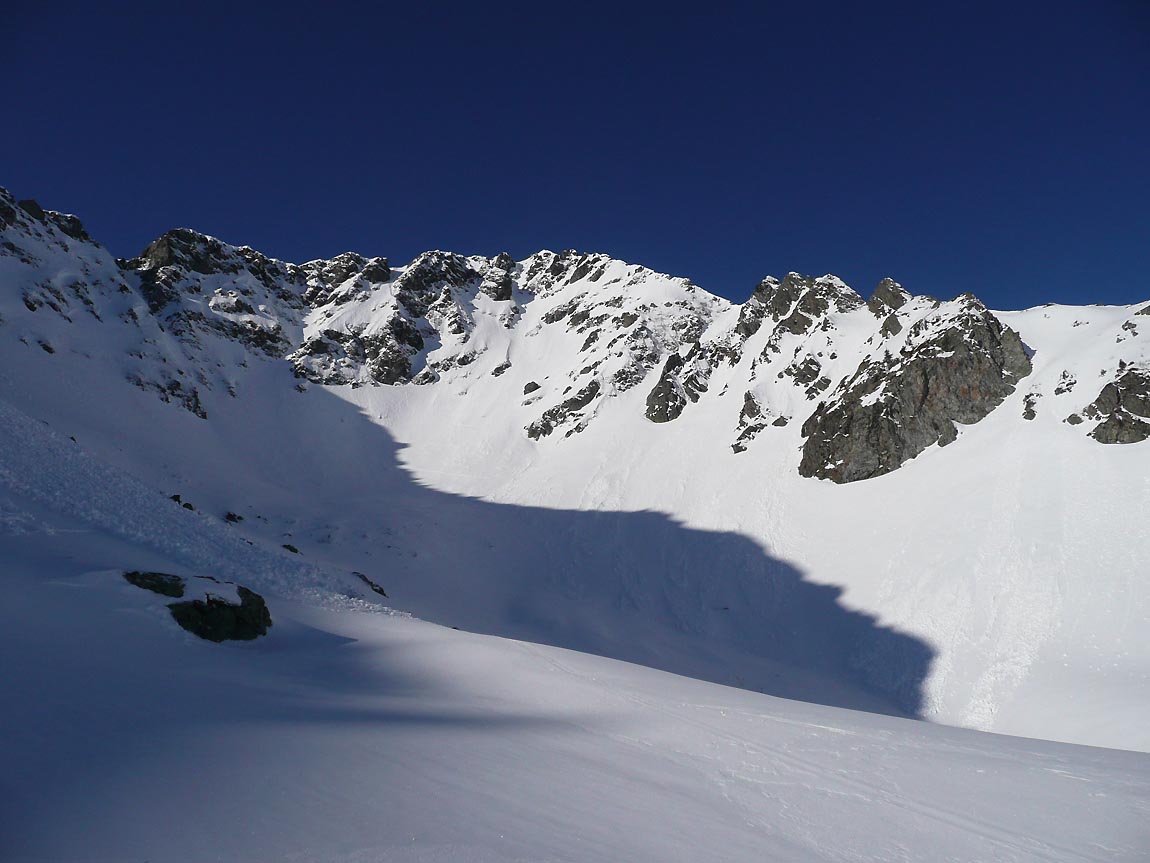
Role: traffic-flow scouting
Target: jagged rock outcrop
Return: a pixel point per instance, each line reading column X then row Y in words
column 564, row 411
column 956, row 367
column 1123, row 408
column 346, row 277
column 683, row 379
column 667, row 400
column 889, row 296
column 794, row 304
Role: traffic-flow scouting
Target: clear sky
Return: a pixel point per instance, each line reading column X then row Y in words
column 997, row 147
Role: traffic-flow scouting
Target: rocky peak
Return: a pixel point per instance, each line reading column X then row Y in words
column 795, row 302
column 15, row 213
column 546, row 271
column 328, row 279
column 190, row 250
column 498, row 281
column 425, row 278
column 335, row 271
column 889, row 296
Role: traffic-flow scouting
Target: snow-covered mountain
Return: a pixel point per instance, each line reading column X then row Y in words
column 902, row 505
column 995, row 542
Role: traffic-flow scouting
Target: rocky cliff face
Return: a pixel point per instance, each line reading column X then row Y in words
column 954, row 366
column 864, row 385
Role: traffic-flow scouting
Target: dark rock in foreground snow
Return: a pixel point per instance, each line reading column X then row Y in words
column 216, row 619
column 212, row 618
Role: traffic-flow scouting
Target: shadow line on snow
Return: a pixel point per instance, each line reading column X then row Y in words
column 635, row 586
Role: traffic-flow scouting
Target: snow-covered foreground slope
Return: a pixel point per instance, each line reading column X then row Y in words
column 350, row 734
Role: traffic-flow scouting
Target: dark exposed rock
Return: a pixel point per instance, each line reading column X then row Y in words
column 343, row 278
column 1121, row 427
column 291, row 548
column 891, row 326
column 371, row 584
column 806, row 372
column 559, row 414
column 750, row 422
column 666, row 401
column 752, row 410
column 33, row 209
column 498, row 283
column 376, row 270
column 1123, row 407
column 211, row 618
column 157, row 582
column 891, row 410
column 530, row 387
column 216, row 619
column 1145, row 310
column 1028, row 406
column 189, row 250
column 171, row 390
column 69, row 225
column 501, row 368
column 889, row 296
column 563, row 310
column 424, row 281
column 682, row 379
column 748, row 434
column 337, row 356
column 1066, row 383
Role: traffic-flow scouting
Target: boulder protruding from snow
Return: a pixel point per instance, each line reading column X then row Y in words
column 1123, row 407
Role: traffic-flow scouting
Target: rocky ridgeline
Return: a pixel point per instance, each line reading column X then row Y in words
column 869, row 384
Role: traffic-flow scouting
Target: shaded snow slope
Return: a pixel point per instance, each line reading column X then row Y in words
column 607, row 459
column 350, row 733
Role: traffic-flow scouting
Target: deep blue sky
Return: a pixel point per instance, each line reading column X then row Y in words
column 1002, row 148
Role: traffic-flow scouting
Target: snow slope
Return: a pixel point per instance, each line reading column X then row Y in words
column 351, row 733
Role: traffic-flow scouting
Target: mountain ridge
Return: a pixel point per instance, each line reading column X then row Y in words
column 355, row 320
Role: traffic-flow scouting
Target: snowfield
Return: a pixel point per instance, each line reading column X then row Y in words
column 604, row 638
column 360, row 735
